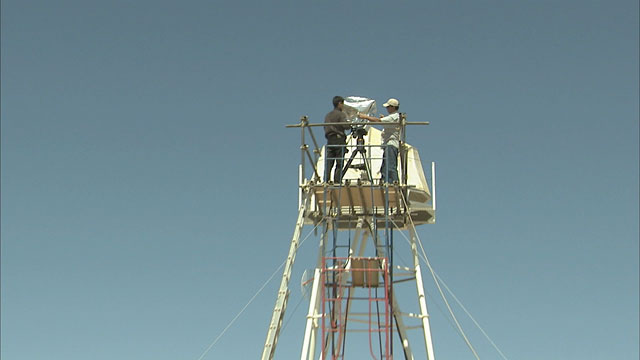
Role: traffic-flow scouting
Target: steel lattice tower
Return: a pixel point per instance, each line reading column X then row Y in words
column 357, row 272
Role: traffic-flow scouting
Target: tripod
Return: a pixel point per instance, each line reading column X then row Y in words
column 359, row 134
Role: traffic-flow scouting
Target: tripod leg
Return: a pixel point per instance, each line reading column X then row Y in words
column 346, row 166
column 366, row 165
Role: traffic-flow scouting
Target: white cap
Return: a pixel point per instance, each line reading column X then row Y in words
column 392, row 102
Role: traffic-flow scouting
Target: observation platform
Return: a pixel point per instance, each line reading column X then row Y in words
column 348, row 202
column 361, row 193
column 354, row 196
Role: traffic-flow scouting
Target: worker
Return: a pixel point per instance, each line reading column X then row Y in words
column 390, row 140
column 336, row 140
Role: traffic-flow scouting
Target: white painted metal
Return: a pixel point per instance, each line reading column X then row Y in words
column 356, row 239
column 310, row 343
column 315, row 307
column 433, row 185
column 300, row 182
column 312, row 315
column 419, row 193
column 422, row 301
column 314, row 310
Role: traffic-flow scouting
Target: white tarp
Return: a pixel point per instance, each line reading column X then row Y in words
column 355, row 104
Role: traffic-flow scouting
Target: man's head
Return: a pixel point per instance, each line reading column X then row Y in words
column 392, row 105
column 338, row 101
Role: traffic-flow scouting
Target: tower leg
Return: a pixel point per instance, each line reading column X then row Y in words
column 424, row 315
column 311, row 329
column 308, row 345
column 315, row 313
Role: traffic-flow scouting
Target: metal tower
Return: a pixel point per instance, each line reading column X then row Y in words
column 355, row 281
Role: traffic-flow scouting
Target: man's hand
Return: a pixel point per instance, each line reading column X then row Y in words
column 367, row 117
column 363, row 116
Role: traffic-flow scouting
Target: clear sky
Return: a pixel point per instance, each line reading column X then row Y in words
column 149, row 183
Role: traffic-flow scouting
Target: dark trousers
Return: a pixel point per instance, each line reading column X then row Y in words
column 389, row 164
column 335, row 151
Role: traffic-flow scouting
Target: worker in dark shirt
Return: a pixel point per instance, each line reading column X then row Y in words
column 336, row 140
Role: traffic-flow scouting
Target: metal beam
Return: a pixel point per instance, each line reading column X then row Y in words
column 397, row 313
column 422, row 301
column 308, row 344
column 354, row 123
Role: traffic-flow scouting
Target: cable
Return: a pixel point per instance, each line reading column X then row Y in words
column 457, row 300
column 458, row 327
column 471, row 317
column 251, row 300
column 466, row 339
column 370, row 341
column 379, row 332
column 292, row 313
column 346, row 320
column 444, row 298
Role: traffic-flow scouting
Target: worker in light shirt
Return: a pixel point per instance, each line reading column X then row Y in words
column 390, row 140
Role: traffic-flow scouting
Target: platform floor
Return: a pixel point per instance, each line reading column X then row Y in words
column 347, row 203
column 363, row 196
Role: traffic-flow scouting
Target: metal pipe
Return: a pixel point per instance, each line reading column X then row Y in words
column 300, row 180
column 404, row 149
column 316, row 149
column 422, row 301
column 307, row 345
column 315, row 171
column 303, row 122
column 354, row 123
column 433, row 184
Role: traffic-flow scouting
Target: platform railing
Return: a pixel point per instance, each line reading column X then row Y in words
column 312, row 155
column 367, row 163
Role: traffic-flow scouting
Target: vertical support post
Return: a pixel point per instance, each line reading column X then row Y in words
column 424, row 315
column 388, row 313
column 316, row 148
column 300, row 183
column 321, row 281
column 433, row 184
column 388, row 231
column 308, row 345
column 403, row 148
column 303, row 123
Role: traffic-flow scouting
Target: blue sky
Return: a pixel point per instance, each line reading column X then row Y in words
column 149, row 183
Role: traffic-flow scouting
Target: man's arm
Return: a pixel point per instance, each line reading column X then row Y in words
column 343, row 118
column 367, row 117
